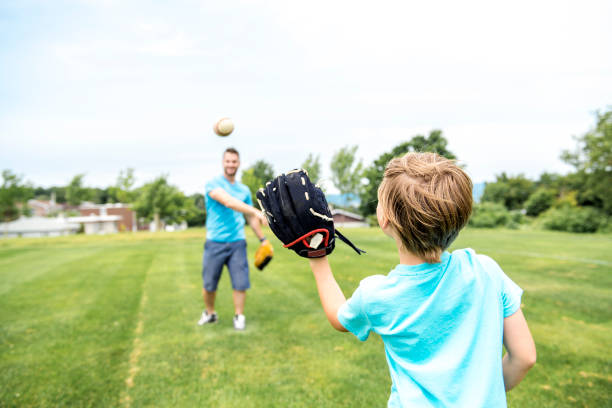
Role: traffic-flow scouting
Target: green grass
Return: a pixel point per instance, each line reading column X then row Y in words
column 111, row 321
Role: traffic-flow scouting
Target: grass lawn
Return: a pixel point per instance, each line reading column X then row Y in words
column 111, row 321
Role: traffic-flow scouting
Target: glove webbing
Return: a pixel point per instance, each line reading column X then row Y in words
column 349, row 243
column 303, row 238
column 338, row 234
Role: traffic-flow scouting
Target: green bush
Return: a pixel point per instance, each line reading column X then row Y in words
column 372, row 220
column 516, row 219
column 540, row 201
column 573, row 219
column 491, row 215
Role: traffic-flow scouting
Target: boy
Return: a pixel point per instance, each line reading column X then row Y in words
column 442, row 317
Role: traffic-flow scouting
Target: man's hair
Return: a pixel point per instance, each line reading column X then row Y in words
column 427, row 200
column 231, row 150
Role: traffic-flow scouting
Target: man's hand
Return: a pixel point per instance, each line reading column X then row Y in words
column 264, row 254
column 258, row 215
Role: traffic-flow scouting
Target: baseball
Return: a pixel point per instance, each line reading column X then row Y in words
column 223, row 127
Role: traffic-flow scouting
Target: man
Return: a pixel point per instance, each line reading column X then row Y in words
column 228, row 202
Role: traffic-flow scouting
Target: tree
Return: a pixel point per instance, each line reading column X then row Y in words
column 435, row 143
column 257, row 176
column 159, row 201
column 122, row 191
column 75, row 192
column 312, row 165
column 592, row 159
column 14, row 194
column 346, row 171
column 512, row 192
column 195, row 210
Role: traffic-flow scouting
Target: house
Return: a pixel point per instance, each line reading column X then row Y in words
column 44, row 208
column 126, row 220
column 38, row 227
column 98, row 224
column 344, row 218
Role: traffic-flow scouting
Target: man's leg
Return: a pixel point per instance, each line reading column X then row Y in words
column 212, row 265
column 209, row 300
column 239, row 273
column 239, row 300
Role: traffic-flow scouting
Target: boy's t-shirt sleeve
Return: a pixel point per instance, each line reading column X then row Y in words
column 510, row 292
column 352, row 316
column 511, row 295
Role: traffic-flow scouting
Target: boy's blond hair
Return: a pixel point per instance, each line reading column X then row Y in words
column 427, row 200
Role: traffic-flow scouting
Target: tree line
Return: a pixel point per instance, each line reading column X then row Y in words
column 580, row 201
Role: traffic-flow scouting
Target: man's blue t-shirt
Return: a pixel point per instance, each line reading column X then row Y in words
column 222, row 223
column 442, row 326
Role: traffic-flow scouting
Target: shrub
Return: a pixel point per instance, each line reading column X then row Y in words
column 490, row 215
column 540, row 201
column 372, row 220
column 516, row 219
column 573, row 219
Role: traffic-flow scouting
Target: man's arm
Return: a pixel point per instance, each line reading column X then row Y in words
column 255, row 223
column 254, row 216
column 520, row 350
column 329, row 292
column 223, row 197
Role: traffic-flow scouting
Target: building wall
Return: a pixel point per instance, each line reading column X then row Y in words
column 102, row 227
column 344, row 218
column 127, row 218
column 127, row 222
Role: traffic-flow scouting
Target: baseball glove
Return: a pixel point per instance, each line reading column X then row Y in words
column 299, row 216
column 264, row 254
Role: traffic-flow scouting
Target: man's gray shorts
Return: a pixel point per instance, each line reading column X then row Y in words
column 232, row 254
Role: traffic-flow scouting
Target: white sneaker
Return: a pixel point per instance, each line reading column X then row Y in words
column 207, row 318
column 239, row 322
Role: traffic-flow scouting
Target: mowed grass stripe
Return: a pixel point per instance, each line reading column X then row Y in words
column 21, row 266
column 66, row 330
column 169, row 319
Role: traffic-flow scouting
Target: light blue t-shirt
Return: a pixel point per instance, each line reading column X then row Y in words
column 222, row 223
column 442, row 326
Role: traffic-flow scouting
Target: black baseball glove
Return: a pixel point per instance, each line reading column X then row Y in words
column 299, row 216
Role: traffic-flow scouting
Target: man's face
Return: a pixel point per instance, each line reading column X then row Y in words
column 231, row 162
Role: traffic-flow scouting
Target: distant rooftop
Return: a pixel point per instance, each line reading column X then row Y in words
column 38, row 224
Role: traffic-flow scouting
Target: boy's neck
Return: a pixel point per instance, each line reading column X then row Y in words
column 408, row 258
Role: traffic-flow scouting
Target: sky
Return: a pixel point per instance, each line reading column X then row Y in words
column 97, row 86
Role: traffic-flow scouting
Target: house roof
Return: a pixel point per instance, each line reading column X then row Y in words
column 38, row 224
column 89, row 206
column 347, row 214
column 95, row 218
column 45, row 204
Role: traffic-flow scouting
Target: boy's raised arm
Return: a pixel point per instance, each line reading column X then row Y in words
column 329, row 292
column 521, row 352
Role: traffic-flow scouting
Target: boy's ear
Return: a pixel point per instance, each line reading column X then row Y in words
column 383, row 221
